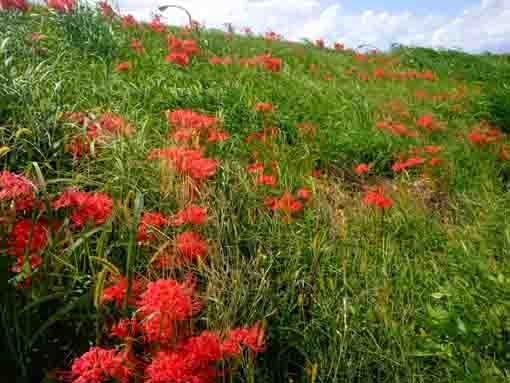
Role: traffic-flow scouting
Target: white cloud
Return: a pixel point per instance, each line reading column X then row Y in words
column 479, row 28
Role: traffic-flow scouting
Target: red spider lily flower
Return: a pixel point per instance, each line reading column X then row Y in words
column 420, row 94
column 20, row 241
column 125, row 328
column 36, row 36
column 150, row 221
column 20, row 5
column 194, row 215
column 272, row 36
column 100, row 365
column 328, row 77
column 255, row 168
column 305, row 193
column 106, row 9
column 247, row 30
column 137, row 46
column 379, row 73
column 433, row 149
column 251, row 337
column 339, row 46
column 360, row 57
column 117, row 292
column 87, row 207
column 33, row 260
column 178, row 58
column 170, row 298
column 214, row 135
column 427, row 75
column 503, row 153
column 215, row 60
column 14, row 186
column 227, row 60
column 272, row 64
column 156, row 25
column 186, row 161
column 406, row 164
column 320, row 43
column 190, row 245
column 79, row 146
column 264, row 107
column 269, row 180
column 426, row 122
column 188, row 119
column 435, row 161
column 477, row 138
column 122, row 67
column 288, row 204
column 129, row 21
column 62, row 5
column 363, row 76
column 377, row 198
column 361, row 169
column 316, row 173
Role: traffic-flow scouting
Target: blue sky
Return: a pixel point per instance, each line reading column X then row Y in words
column 470, row 25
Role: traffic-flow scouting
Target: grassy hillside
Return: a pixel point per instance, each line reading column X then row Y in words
column 355, row 222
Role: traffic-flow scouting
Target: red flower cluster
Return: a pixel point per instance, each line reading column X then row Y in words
column 123, row 67
column 87, row 207
column 148, row 222
column 15, row 187
column 186, row 161
column 266, row 61
column 24, row 237
column 117, row 292
column 427, row 122
column 487, row 135
column 190, row 245
column 156, row 25
column 320, row 43
column 62, row 5
column 397, row 167
column 339, row 46
column 377, row 198
column 181, row 50
column 287, row 204
column 396, row 128
column 194, row 215
column 100, row 365
column 106, row 10
column 129, row 21
column 361, row 169
column 20, row 5
column 272, row 36
column 137, row 46
column 189, row 124
column 227, row 60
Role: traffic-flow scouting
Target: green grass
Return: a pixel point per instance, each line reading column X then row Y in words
column 420, row 294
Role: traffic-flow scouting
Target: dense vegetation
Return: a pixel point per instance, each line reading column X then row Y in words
column 342, row 216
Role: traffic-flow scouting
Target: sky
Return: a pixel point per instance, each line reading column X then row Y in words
column 470, row 25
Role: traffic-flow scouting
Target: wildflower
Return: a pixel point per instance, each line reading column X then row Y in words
column 169, row 298
column 87, row 207
column 62, row 5
column 101, row 365
column 149, row 221
column 124, row 328
column 129, row 21
column 251, row 337
column 122, row 67
column 106, row 9
column 269, row 180
column 137, row 46
column 214, row 135
column 20, row 5
column 264, row 107
column 178, row 58
column 271, row 64
column 435, row 161
column 188, row 119
column 272, row 36
column 194, row 215
column 339, row 46
column 247, row 30
column 426, row 122
column 27, row 234
column 304, row 193
column 377, row 198
column 320, row 43
column 156, row 24
column 190, row 245
column 215, row 60
column 117, row 292
column 255, row 168
column 14, row 186
column 361, row 169
column 408, row 163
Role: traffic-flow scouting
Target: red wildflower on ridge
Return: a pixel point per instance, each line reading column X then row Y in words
column 117, row 292
column 408, row 163
column 190, row 245
column 137, row 46
column 148, row 221
column 87, row 207
column 156, row 25
column 62, row 5
column 361, row 169
column 20, row 5
column 264, row 107
column 123, row 67
column 129, row 21
column 194, row 215
column 377, row 198
column 101, row 365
